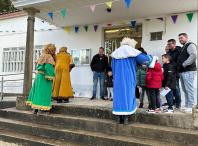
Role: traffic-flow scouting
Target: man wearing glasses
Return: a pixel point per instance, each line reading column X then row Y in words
column 174, row 52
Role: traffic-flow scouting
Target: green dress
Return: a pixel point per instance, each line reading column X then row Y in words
column 41, row 92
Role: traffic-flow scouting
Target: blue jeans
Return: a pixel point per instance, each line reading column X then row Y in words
column 187, row 83
column 101, row 76
column 177, row 94
column 169, row 98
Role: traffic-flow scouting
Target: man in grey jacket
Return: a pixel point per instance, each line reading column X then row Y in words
column 186, row 66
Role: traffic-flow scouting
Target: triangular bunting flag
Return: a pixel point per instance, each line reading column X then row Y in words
column 76, row 29
column 174, row 17
column 137, row 28
column 50, row 24
column 51, row 15
column 109, row 24
column 95, row 27
column 122, row 23
column 127, row 3
column 93, row 7
column 190, row 16
column 63, row 12
column 133, row 23
column 67, row 29
column 147, row 19
column 109, row 3
column 86, row 28
column 161, row 19
column 43, row 21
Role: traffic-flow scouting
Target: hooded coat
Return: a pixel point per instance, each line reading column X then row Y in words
column 169, row 75
column 154, row 77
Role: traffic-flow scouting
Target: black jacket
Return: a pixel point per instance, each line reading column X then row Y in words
column 174, row 55
column 183, row 56
column 169, row 75
column 99, row 65
column 109, row 81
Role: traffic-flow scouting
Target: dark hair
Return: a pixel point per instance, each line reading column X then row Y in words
column 184, row 34
column 142, row 50
column 172, row 40
column 101, row 48
column 167, row 56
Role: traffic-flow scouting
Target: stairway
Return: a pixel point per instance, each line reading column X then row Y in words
column 80, row 125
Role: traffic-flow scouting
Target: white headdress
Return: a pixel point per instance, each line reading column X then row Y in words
column 128, row 41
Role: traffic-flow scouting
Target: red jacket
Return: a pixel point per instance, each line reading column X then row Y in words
column 154, row 77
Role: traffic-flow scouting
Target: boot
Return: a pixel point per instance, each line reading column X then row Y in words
column 93, row 97
column 126, row 120
column 34, row 111
column 141, row 105
column 102, row 98
column 59, row 100
column 119, row 119
column 66, row 100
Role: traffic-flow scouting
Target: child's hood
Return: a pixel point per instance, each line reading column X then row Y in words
column 157, row 67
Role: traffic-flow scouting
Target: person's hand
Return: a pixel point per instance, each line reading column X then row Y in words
column 166, row 88
column 138, row 86
column 144, row 66
column 93, row 71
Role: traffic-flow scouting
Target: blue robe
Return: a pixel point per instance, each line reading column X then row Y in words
column 124, row 73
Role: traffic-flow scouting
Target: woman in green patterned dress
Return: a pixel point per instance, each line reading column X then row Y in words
column 40, row 95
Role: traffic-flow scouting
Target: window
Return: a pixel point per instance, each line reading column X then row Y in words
column 81, row 56
column 14, row 58
column 156, row 36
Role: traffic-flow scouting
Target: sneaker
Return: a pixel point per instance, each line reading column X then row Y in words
column 183, row 109
column 158, row 110
column 93, row 97
column 188, row 110
column 102, row 98
column 151, row 111
column 107, row 99
column 111, row 99
column 165, row 105
column 168, row 111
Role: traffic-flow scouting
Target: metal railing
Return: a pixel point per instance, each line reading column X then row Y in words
column 2, row 81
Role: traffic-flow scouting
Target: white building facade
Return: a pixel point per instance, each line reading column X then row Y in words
column 12, row 44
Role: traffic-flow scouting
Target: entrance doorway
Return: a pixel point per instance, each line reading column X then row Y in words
column 113, row 38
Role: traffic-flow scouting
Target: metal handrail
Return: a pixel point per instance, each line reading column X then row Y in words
column 2, row 80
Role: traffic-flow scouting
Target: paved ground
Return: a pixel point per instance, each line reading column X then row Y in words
column 102, row 104
column 2, row 143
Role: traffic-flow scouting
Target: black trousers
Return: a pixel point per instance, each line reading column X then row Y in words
column 154, row 101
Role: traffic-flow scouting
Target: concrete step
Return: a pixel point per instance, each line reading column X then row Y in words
column 146, row 131
column 7, row 104
column 30, row 140
column 76, row 135
column 177, row 120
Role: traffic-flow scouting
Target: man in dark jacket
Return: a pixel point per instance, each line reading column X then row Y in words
column 169, row 81
column 174, row 52
column 186, row 65
column 98, row 65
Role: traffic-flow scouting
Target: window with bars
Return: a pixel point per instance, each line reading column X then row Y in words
column 14, row 58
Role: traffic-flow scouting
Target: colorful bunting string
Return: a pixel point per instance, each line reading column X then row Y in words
column 109, row 3
column 63, row 13
column 147, row 19
column 190, row 16
column 133, row 23
column 127, row 3
column 92, row 7
column 76, row 29
column 109, row 24
column 67, row 29
column 51, row 15
column 86, row 28
column 122, row 23
column 174, row 17
column 95, row 27
column 160, row 19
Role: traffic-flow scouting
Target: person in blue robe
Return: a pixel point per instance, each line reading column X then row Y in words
column 124, row 72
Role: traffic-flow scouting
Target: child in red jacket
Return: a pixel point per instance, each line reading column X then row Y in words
column 154, row 78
